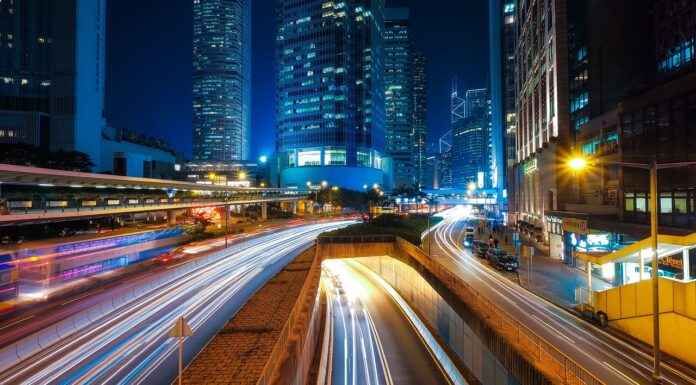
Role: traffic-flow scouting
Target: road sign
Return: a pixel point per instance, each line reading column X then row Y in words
column 180, row 330
column 176, row 330
column 313, row 187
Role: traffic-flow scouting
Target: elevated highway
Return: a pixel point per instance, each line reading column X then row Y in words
column 37, row 195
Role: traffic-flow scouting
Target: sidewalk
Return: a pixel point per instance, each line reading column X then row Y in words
column 550, row 278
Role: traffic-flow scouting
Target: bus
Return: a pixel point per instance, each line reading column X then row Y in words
column 9, row 278
column 46, row 272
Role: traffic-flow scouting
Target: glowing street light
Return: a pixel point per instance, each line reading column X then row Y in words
column 242, row 175
column 324, row 183
column 577, row 163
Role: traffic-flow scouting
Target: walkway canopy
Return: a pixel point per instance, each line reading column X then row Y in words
column 666, row 245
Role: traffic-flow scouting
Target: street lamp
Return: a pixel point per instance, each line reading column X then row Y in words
column 334, row 188
column 316, row 196
column 579, row 164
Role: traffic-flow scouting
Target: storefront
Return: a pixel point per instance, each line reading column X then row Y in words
column 554, row 228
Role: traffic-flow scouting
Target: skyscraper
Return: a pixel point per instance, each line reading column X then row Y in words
column 221, row 79
column 52, row 74
column 420, row 107
column 330, row 92
column 476, row 103
column 470, row 139
column 399, row 78
column 502, row 40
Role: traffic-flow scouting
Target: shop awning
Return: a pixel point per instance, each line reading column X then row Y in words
column 666, row 245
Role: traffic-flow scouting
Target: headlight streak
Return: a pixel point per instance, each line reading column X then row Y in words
column 198, row 294
column 363, row 358
column 508, row 291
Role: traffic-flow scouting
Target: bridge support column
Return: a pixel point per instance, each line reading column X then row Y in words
column 589, row 276
column 171, row 218
column 264, row 211
column 242, row 211
column 294, row 207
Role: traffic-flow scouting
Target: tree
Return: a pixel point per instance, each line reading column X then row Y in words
column 28, row 155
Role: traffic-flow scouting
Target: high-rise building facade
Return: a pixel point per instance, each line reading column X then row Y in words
column 52, row 74
column 420, row 110
column 330, row 92
column 592, row 56
column 221, row 80
column 470, row 139
column 542, row 108
column 658, row 124
column 468, row 152
column 502, row 41
column 399, row 78
column 476, row 103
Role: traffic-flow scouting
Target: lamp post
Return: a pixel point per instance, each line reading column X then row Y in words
column 316, row 196
column 579, row 164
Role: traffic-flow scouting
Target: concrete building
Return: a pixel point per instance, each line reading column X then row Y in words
column 52, row 74
column 126, row 155
column 330, row 92
column 221, row 80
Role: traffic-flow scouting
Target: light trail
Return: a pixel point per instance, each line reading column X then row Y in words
column 130, row 345
column 589, row 345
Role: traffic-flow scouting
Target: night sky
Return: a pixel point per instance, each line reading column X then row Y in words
column 148, row 64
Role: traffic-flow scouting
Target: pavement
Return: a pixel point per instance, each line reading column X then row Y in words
column 548, row 277
column 239, row 351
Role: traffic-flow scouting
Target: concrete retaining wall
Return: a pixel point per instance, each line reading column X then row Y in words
column 485, row 351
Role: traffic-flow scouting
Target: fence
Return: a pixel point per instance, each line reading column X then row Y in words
column 356, row 239
column 569, row 371
column 552, row 361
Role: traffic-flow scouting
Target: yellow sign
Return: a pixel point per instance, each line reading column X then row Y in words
column 577, row 226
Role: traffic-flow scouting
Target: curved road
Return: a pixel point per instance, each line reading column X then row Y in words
column 373, row 340
column 130, row 345
column 612, row 360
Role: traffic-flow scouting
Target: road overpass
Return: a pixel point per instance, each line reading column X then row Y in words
column 37, row 195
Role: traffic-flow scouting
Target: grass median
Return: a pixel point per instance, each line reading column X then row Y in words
column 408, row 226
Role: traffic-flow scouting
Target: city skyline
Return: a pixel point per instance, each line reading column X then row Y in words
column 169, row 88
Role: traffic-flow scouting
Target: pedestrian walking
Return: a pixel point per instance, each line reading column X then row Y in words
column 495, row 242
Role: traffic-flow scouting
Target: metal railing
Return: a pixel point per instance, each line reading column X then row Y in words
column 584, row 296
column 356, row 239
column 545, row 353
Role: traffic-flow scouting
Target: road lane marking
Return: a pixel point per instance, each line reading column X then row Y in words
column 16, row 322
column 80, row 297
column 553, row 328
column 620, row 372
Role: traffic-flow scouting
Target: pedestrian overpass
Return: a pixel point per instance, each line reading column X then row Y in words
column 474, row 197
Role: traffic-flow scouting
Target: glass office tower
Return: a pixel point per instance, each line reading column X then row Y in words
column 52, row 74
column 330, row 92
column 398, row 61
column 221, row 79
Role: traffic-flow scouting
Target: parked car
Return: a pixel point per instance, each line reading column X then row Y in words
column 469, row 240
column 501, row 260
column 469, row 230
column 480, row 248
